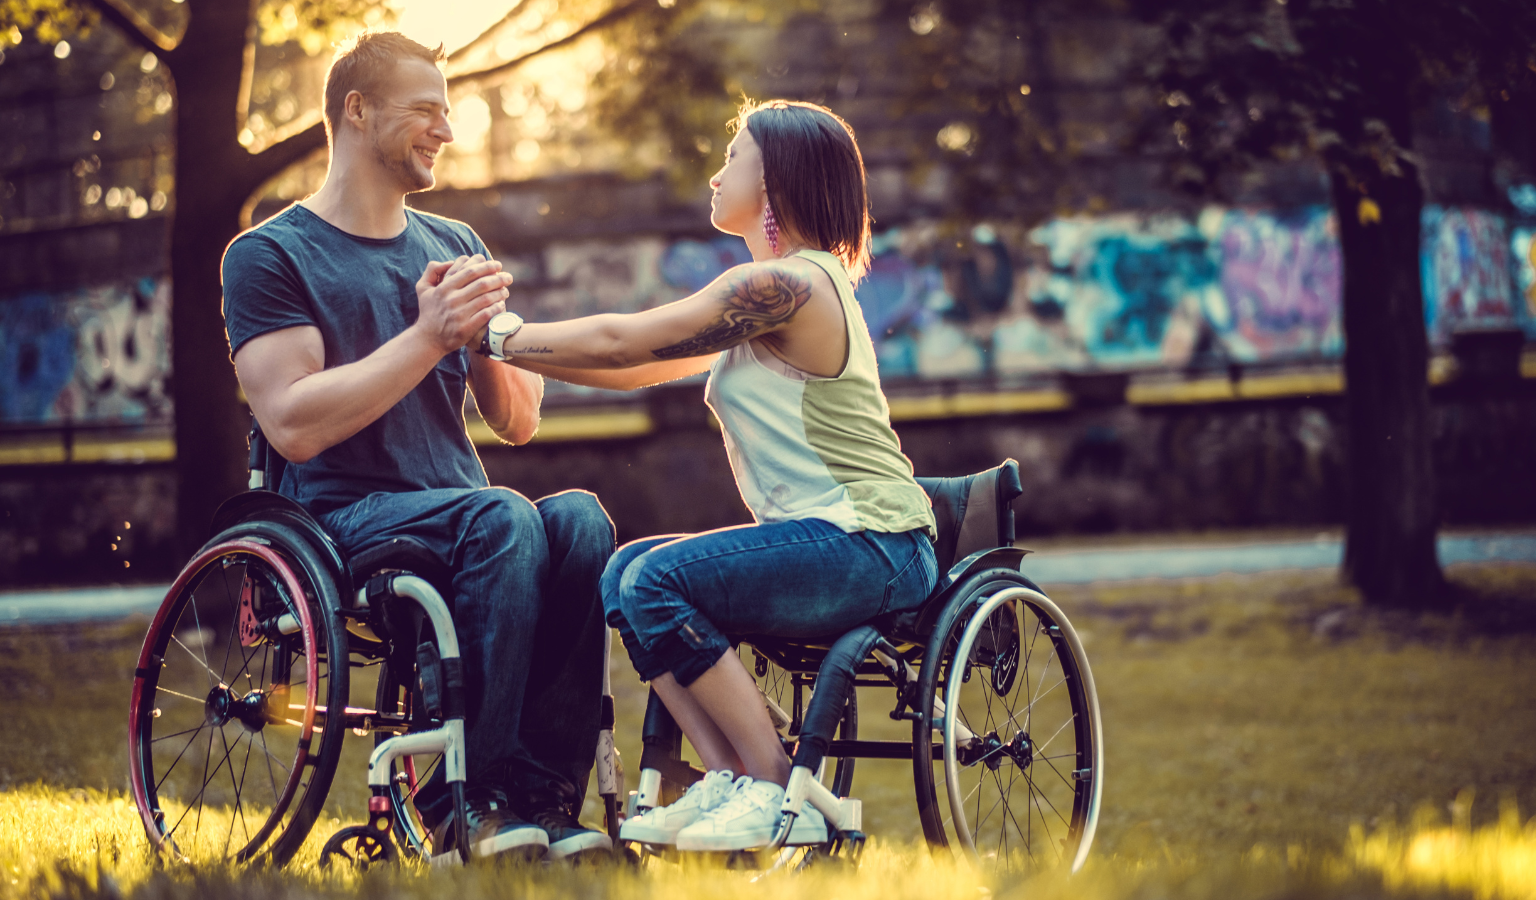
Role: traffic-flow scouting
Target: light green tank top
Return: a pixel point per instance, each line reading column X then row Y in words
column 803, row 446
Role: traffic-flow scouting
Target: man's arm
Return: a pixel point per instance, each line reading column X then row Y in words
column 305, row 408
column 508, row 398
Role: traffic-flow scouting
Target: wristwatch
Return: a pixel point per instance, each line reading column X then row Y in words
column 502, row 326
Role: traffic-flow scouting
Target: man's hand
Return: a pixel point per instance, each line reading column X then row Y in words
column 456, row 299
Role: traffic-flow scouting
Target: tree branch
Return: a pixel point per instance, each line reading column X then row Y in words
column 135, row 26
column 271, row 162
column 486, row 34
column 618, row 13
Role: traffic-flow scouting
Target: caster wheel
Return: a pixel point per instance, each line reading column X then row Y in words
column 359, row 847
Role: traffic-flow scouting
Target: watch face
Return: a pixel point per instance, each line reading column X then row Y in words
column 506, row 321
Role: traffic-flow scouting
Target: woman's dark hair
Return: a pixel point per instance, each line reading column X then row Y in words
column 814, row 175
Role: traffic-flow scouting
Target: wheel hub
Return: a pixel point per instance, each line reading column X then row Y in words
column 222, row 704
column 993, row 751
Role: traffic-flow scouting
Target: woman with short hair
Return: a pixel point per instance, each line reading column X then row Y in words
column 843, row 533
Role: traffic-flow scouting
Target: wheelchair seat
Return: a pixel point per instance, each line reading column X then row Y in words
column 405, row 553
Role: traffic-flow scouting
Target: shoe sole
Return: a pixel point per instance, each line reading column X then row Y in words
column 577, row 847
column 641, row 834
column 748, row 841
column 515, row 846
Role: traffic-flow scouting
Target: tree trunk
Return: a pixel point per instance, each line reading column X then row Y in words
column 211, row 189
column 1389, row 550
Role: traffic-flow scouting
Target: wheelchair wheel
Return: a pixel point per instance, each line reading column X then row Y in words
column 778, row 688
column 1021, row 774
column 231, row 750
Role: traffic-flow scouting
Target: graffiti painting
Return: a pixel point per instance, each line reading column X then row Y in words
column 1466, row 271
column 98, row 354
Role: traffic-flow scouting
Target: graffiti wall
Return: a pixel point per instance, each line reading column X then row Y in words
column 99, row 354
column 1120, row 291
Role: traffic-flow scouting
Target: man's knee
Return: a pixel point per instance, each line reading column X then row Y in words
column 503, row 517
column 577, row 520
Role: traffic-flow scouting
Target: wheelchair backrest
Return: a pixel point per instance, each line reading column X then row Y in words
column 974, row 512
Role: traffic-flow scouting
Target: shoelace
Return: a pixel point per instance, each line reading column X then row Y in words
column 715, row 787
column 743, row 798
column 556, row 818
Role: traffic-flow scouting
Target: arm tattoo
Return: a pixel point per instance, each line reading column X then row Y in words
column 758, row 299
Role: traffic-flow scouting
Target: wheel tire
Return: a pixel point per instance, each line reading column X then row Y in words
column 273, row 795
column 1009, row 666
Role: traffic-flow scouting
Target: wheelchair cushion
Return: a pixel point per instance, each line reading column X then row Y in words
column 973, row 512
column 400, row 553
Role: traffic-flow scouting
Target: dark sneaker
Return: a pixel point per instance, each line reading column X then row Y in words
column 569, row 840
column 494, row 831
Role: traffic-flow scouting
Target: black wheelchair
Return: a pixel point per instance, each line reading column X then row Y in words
column 1007, row 749
column 242, row 697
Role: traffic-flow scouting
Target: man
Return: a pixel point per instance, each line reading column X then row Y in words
column 348, row 318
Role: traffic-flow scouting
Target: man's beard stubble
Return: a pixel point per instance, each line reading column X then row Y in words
column 410, row 177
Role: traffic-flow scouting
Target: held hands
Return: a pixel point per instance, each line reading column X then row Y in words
column 456, row 299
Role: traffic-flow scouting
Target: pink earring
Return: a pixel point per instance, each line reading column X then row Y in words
column 771, row 228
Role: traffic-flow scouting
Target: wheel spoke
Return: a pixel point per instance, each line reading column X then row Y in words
column 179, row 756
column 212, row 675
column 1069, row 721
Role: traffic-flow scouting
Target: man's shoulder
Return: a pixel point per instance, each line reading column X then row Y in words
column 444, row 227
column 268, row 235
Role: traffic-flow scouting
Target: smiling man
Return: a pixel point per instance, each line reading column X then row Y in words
column 348, row 317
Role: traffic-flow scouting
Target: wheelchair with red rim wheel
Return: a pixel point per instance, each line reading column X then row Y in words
column 241, row 694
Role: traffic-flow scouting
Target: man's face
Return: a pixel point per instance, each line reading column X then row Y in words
column 409, row 124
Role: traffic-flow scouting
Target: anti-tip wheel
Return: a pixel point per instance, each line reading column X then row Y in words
column 359, row 847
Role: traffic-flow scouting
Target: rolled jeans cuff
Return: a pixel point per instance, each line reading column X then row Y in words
column 686, row 651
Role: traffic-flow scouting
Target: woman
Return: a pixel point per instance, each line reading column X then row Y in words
column 843, row 531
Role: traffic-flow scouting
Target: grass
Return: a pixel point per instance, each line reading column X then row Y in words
column 1266, row 737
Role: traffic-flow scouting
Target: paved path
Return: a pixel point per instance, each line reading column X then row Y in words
column 1056, row 566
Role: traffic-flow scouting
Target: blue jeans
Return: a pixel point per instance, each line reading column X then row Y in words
column 525, row 606
column 677, row 600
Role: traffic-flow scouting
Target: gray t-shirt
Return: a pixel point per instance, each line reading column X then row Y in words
column 297, row 269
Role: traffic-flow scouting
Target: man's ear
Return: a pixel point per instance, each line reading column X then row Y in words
column 355, row 108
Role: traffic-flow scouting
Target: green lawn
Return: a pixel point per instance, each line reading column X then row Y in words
column 1265, row 738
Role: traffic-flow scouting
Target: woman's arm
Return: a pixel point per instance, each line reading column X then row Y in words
column 632, row 378
column 746, row 302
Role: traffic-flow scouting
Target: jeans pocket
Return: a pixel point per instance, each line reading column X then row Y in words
column 913, row 583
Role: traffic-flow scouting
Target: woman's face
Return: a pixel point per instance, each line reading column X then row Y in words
column 737, row 204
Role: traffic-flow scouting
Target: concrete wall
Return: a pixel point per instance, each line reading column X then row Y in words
column 1120, row 468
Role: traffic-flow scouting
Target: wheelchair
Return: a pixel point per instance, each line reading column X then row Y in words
column 242, row 692
column 1007, row 749
column 242, row 697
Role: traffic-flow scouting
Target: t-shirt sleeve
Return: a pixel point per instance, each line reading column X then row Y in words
column 262, row 291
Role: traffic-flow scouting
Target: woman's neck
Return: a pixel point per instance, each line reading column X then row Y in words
column 757, row 243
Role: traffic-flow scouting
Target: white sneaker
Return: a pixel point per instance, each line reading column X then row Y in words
column 749, row 819
column 661, row 825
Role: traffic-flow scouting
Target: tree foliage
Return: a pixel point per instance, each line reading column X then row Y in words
column 1243, row 82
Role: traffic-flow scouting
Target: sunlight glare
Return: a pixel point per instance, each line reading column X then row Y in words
column 453, row 23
